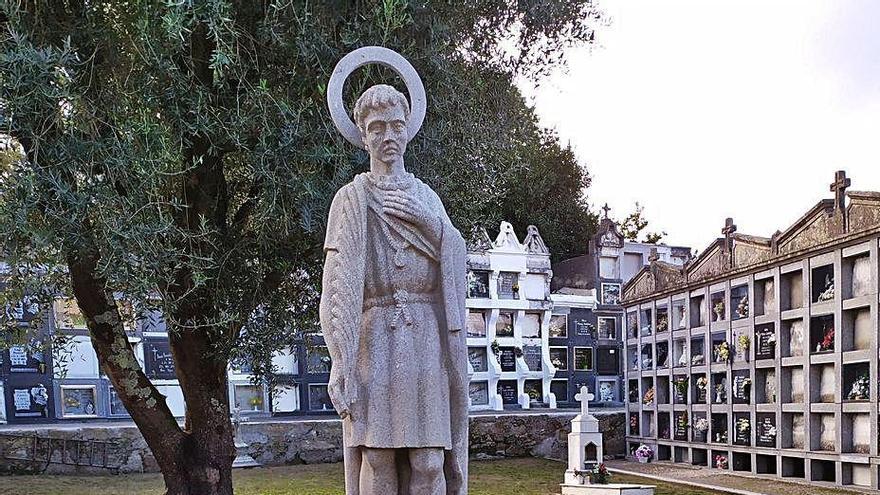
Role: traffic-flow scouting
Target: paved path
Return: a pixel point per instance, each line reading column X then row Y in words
column 741, row 484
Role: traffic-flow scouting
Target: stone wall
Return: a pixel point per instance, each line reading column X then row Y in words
column 312, row 441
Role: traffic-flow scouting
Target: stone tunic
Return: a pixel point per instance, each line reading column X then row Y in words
column 402, row 380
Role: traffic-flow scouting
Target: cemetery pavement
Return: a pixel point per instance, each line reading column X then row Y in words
column 743, row 483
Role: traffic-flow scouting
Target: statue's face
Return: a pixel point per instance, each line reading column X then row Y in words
column 385, row 134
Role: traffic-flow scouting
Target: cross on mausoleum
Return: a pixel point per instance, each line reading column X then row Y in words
column 729, row 229
column 606, row 209
column 584, row 397
column 838, row 187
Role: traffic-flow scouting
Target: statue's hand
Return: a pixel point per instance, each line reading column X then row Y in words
column 337, row 392
column 406, row 207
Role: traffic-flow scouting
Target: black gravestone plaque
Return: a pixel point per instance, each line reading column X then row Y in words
column 742, row 432
column 117, row 408
column 765, row 347
column 532, row 355
column 479, row 393
column 30, row 401
column 766, row 430
column 583, row 328
column 607, row 361
column 507, row 391
column 681, row 426
column 679, row 390
column 741, row 388
column 158, row 360
column 507, row 359
column 559, row 388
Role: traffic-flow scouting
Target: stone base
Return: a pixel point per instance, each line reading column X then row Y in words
column 609, row 489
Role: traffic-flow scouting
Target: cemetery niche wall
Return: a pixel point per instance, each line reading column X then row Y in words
column 509, row 322
column 775, row 368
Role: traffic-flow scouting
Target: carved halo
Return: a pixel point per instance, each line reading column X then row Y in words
column 382, row 56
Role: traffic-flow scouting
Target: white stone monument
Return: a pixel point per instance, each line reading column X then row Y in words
column 394, row 294
column 585, row 453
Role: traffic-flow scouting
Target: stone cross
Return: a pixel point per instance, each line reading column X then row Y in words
column 584, row 398
column 729, row 228
column 838, row 187
column 606, row 209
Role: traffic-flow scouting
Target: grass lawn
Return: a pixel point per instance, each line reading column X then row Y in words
column 504, row 477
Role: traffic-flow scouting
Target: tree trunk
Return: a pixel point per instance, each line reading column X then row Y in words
column 196, row 460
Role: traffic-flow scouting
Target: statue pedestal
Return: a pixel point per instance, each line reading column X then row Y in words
column 609, row 489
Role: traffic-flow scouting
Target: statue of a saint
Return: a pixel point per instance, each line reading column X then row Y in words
column 392, row 311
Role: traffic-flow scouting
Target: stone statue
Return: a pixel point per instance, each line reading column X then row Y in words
column 393, row 304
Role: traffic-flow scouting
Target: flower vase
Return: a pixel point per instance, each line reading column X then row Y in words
column 643, row 460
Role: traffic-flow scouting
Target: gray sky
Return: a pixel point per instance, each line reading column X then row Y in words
column 701, row 110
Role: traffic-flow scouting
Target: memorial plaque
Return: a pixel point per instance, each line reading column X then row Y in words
column 504, row 325
column 477, row 357
column 479, row 393
column 158, row 361
column 507, row 391
column 319, row 399
column 531, row 326
column 478, row 284
column 681, row 426
column 558, row 326
column 535, row 390
column 508, row 285
column 741, row 386
column 765, row 343
column 476, row 324
column 607, row 328
column 81, row 401
column 559, row 388
column 507, row 358
column 31, row 402
column 742, row 432
column 583, row 328
column 766, row 430
column 532, row 356
column 607, row 390
column 608, row 361
column 117, row 408
column 24, row 360
column 583, row 358
column 559, row 358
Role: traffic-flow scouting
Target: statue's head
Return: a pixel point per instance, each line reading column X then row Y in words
column 381, row 114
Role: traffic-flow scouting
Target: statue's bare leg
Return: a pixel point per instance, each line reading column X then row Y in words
column 378, row 472
column 427, row 471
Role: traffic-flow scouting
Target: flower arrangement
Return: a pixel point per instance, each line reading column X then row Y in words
column 702, row 382
column 860, row 389
column 648, row 399
column 742, row 309
column 496, row 347
column 722, row 352
column 827, row 343
column 828, row 293
column 720, row 393
column 634, row 424
column 701, row 425
column 599, row 475
column 644, row 453
column 662, row 323
column 255, row 402
column 743, row 425
column 743, row 342
column 771, row 432
column 721, row 461
column 697, row 360
column 719, row 310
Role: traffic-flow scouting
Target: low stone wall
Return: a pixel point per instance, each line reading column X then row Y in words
column 311, row 441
